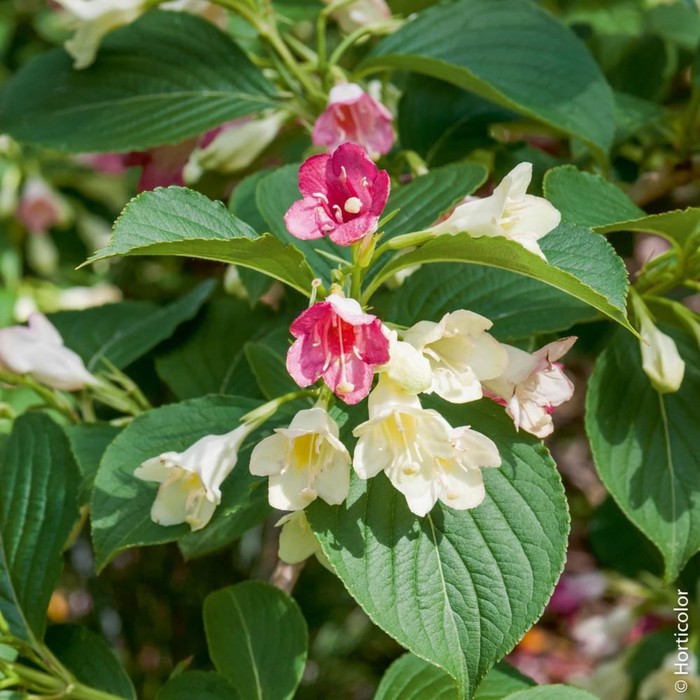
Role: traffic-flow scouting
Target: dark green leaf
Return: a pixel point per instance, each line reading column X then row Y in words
column 198, row 685
column 500, row 681
column 160, row 80
column 257, row 638
column 88, row 657
column 38, row 510
column 411, row 678
column 267, row 359
column 463, row 43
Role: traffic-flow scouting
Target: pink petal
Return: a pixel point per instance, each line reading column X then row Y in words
column 303, row 367
column 302, row 219
column 354, row 230
column 356, row 373
column 312, row 175
column 374, row 348
column 308, row 319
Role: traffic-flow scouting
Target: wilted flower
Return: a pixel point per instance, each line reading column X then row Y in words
column 233, row 147
column 355, row 116
column 532, row 385
column 38, row 350
column 344, row 195
column 190, row 481
column 40, row 206
column 508, row 212
column 661, row 360
column 460, row 352
column 337, row 341
column 424, row 457
column 304, row 461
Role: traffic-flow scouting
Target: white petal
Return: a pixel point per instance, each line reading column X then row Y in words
column 407, row 367
column 456, row 388
column 535, row 218
column 473, row 449
column 516, row 182
column 43, row 330
column 462, row 488
column 344, row 93
column 269, row 455
column 297, row 541
column 333, row 483
column 289, row 490
column 661, row 360
column 372, row 453
column 170, row 504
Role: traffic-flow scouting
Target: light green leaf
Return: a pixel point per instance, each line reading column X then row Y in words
column 88, row 442
column 552, row 692
column 126, row 331
column 121, row 503
column 160, row 80
column 456, row 588
column 500, row 681
column 587, row 199
column 180, row 221
column 257, row 638
column 643, row 447
column 579, row 263
column 88, row 657
column 590, row 200
column 411, row 678
column 200, row 685
column 462, row 43
column 38, row 509
column 210, row 359
column 517, row 305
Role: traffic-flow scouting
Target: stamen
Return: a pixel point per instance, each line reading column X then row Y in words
column 343, row 174
column 338, row 213
column 353, row 205
column 321, row 196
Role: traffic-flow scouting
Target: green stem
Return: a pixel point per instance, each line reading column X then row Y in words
column 51, row 398
column 346, row 43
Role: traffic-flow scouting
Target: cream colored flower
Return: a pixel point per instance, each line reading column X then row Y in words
column 460, row 352
column 407, row 367
column 661, row 360
column 508, row 212
column 190, row 481
column 304, row 461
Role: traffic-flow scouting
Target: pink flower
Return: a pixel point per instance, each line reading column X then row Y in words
column 354, row 115
column 106, row 163
column 344, row 195
column 162, row 166
column 40, row 206
column 337, row 341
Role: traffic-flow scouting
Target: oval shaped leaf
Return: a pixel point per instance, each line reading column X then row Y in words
column 456, row 588
column 643, row 448
column 180, row 221
column 121, row 503
column 200, row 685
column 411, row 678
column 38, row 509
column 578, row 262
column 160, row 80
column 463, row 43
column 257, row 638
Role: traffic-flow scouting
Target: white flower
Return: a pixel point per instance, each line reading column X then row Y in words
column 235, row 147
column 460, row 352
column 532, row 385
column 190, row 481
column 297, row 540
column 94, row 19
column 508, row 212
column 38, row 350
column 407, row 367
column 424, row 457
column 661, row 360
column 361, row 13
column 304, row 461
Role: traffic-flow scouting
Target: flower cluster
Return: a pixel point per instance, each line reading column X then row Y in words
column 342, row 352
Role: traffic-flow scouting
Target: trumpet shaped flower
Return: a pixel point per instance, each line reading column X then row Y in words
column 304, row 461
column 337, row 341
column 344, row 194
column 509, row 212
column 190, row 481
column 354, row 115
column 460, row 352
column 407, row 368
column 532, row 385
column 661, row 360
column 38, row 350
column 422, row 455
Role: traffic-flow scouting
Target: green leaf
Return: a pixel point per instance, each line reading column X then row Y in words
column 579, row 263
column 456, row 588
column 180, row 221
column 411, row 678
column 200, row 685
column 160, row 80
column 517, row 305
column 126, row 331
column 121, row 503
column 38, row 510
column 456, row 123
column 88, row 442
column 462, row 43
column 643, row 448
column 423, row 200
column 267, row 359
column 590, row 200
column 211, row 360
column 587, row 199
column 257, row 638
column 552, row 692
column 88, row 657
column 500, row 681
